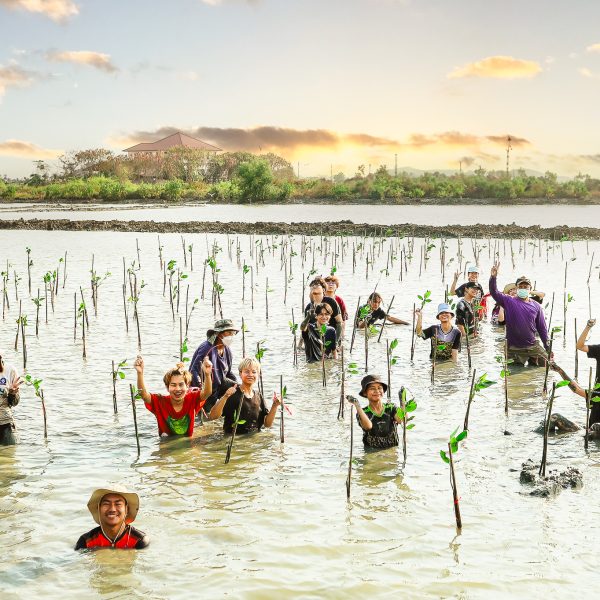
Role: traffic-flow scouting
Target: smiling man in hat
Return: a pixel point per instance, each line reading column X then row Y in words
column 379, row 420
column 445, row 333
column 473, row 277
column 524, row 318
column 114, row 510
column 216, row 347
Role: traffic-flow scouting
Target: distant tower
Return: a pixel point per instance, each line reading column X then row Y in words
column 508, row 149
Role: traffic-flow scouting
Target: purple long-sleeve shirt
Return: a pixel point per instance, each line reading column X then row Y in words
column 522, row 318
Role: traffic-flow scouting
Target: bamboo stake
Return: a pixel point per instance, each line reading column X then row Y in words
column 281, row 426
column 235, row 424
column 385, row 320
column 349, row 477
column 588, row 405
column 114, row 385
column 471, row 396
column 542, row 470
column 44, row 414
column 133, row 408
column 340, row 414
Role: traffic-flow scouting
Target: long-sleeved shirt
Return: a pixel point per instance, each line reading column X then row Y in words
column 523, row 319
column 221, row 365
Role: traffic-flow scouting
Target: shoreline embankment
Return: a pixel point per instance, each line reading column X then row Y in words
column 557, row 233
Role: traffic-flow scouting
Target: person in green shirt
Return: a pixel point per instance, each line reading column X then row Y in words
column 379, row 420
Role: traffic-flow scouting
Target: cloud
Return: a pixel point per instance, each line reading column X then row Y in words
column 593, row 48
column 57, row 10
column 22, row 149
column 13, row 76
column 282, row 139
column 498, row 67
column 585, row 72
column 97, row 60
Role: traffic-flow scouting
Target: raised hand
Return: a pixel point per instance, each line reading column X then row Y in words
column 207, row 366
column 591, row 323
column 139, row 364
column 352, row 400
column 495, row 268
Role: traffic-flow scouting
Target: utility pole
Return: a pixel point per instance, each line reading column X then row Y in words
column 396, row 166
column 460, row 166
column 508, row 149
column 331, row 171
column 298, row 169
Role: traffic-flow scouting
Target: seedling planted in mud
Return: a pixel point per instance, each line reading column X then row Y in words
column 447, row 457
column 39, row 392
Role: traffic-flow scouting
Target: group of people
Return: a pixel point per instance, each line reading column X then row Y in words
column 210, row 389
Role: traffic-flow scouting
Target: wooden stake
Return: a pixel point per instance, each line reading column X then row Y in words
column 137, row 437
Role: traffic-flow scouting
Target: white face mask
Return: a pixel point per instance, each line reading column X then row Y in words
column 227, row 340
column 523, row 293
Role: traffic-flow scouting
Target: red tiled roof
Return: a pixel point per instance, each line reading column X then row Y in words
column 172, row 141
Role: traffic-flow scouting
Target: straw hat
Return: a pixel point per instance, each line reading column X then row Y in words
column 508, row 287
column 132, row 500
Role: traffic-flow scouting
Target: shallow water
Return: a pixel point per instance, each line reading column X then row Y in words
column 275, row 522
column 463, row 214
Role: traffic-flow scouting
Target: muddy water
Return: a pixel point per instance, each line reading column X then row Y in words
column 275, row 522
column 466, row 214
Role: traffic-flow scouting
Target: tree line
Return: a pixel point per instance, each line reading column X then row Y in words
column 182, row 173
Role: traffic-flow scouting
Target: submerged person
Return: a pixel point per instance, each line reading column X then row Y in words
column 114, row 510
column 332, row 283
column 9, row 398
column 242, row 402
column 466, row 319
column 524, row 318
column 317, row 295
column 373, row 312
column 445, row 333
column 379, row 420
column 592, row 350
column 318, row 336
column 498, row 317
column 176, row 413
column 217, row 348
column 472, row 277
column 558, row 422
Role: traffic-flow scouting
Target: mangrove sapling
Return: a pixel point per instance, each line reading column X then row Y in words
column 30, row 264
column 349, row 476
column 23, row 324
column 476, row 387
column 576, row 352
column 236, row 422
column 189, row 316
column 39, row 392
column 18, row 321
column 402, row 413
column 260, row 352
column 137, row 247
column 81, row 315
column 547, row 416
column 448, row 458
column 340, row 414
column 354, row 322
column 135, row 395
column 505, row 372
column 588, row 406
column 191, row 251
column 552, row 332
column 283, row 396
column 117, row 372
column 384, row 321
column 294, row 331
column 37, row 301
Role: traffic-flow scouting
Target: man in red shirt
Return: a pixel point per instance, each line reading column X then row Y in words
column 114, row 510
column 176, row 413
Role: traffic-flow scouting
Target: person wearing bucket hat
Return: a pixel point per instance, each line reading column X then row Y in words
column 445, row 333
column 524, row 318
column 9, row 397
column 114, row 509
column 217, row 348
column 472, row 277
column 379, row 420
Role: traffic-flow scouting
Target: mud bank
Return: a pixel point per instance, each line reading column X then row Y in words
column 330, row 228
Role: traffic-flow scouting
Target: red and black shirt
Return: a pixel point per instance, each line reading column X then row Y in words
column 130, row 538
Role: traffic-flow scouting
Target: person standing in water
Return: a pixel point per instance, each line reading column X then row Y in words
column 376, row 313
column 217, row 348
column 9, row 398
column 445, row 333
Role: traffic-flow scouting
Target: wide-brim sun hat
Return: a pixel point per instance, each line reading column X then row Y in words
column 367, row 381
column 221, row 326
column 508, row 287
column 444, row 308
column 473, row 269
column 132, row 499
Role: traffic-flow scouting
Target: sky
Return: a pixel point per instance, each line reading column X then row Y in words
column 327, row 84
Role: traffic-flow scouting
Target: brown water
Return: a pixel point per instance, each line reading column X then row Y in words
column 275, row 522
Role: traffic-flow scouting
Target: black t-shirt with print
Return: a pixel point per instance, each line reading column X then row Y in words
column 384, row 433
column 460, row 290
column 450, row 341
column 253, row 411
column 335, row 308
column 465, row 314
column 375, row 315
